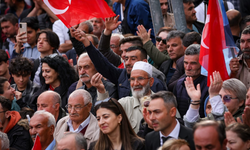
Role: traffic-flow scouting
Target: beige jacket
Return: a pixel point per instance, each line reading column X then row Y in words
column 91, row 134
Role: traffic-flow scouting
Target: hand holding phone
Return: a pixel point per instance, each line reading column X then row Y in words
column 23, row 31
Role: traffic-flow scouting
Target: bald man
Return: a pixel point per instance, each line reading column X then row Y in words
column 50, row 101
column 234, row 18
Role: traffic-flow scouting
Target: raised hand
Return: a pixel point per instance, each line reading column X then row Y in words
column 111, row 24
column 145, row 114
column 192, row 92
column 215, row 84
column 228, row 118
column 246, row 116
column 80, row 36
column 96, row 81
column 142, row 32
column 234, row 66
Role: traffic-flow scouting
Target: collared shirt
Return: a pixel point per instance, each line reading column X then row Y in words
column 29, row 52
column 244, row 75
column 81, row 126
column 51, row 145
column 174, row 134
column 11, row 46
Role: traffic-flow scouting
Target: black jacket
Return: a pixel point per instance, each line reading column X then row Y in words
column 20, row 138
column 152, row 140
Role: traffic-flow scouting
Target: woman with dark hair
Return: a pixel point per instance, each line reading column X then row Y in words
column 116, row 131
column 238, row 137
column 58, row 75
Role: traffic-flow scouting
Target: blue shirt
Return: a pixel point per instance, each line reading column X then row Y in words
column 29, row 52
column 51, row 145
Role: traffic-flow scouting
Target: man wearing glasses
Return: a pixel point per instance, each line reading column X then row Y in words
column 80, row 119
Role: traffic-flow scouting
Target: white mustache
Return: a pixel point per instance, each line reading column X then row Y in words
column 84, row 75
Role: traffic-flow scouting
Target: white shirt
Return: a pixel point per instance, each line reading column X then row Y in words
column 174, row 134
column 61, row 30
column 81, row 126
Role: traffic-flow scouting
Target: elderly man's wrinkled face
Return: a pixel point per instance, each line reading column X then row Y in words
column 78, row 110
column 98, row 26
column 245, row 45
column 39, row 125
column 140, row 83
column 192, row 66
column 86, row 69
column 46, row 102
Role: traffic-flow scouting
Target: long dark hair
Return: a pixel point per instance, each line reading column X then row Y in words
column 127, row 134
column 67, row 74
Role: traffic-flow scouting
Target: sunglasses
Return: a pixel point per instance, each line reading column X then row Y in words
column 227, row 98
column 159, row 39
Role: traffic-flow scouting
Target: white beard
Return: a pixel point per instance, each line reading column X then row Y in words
column 143, row 92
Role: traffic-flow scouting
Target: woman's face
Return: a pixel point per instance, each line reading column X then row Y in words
column 160, row 45
column 50, row 75
column 108, row 121
column 236, row 143
column 233, row 104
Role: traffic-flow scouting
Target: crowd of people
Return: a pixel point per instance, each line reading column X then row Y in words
column 116, row 84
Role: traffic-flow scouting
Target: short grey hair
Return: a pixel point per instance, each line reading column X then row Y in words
column 80, row 140
column 85, row 95
column 118, row 35
column 193, row 49
column 168, row 98
column 81, row 56
column 56, row 96
column 51, row 118
column 4, row 140
column 236, row 87
column 174, row 34
column 89, row 24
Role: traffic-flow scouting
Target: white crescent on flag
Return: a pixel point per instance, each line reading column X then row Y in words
column 54, row 10
column 205, row 32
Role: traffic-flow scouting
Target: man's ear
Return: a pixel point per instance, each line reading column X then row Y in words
column 57, row 106
column 173, row 112
column 52, row 129
column 7, row 114
column 151, row 81
column 8, row 63
column 145, row 60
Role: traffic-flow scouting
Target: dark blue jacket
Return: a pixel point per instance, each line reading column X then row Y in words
column 183, row 100
column 138, row 13
column 116, row 75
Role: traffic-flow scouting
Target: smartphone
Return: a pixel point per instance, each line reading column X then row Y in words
column 23, row 28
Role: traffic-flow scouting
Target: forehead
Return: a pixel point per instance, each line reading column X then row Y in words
column 226, row 92
column 157, row 103
column 85, row 60
column 38, row 119
column 163, row 1
column 163, row 34
column 191, row 58
column 6, row 23
column 125, row 46
column 74, row 100
column 174, row 40
column 46, row 66
column 188, row 5
column 245, row 36
column 137, row 73
column 6, row 84
column 43, row 35
column 206, row 135
column 98, row 20
column 115, row 39
column 136, row 53
column 45, row 99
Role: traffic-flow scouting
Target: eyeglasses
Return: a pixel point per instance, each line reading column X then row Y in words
column 139, row 79
column 159, row 39
column 227, row 98
column 113, row 46
column 76, row 107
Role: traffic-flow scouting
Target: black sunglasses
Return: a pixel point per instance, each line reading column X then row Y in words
column 227, row 98
column 159, row 39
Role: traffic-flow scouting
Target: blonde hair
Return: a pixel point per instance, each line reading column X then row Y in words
column 173, row 144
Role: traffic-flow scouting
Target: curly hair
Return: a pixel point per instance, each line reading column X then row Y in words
column 67, row 74
column 21, row 66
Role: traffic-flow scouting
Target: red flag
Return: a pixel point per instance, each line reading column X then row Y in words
column 213, row 42
column 37, row 143
column 73, row 12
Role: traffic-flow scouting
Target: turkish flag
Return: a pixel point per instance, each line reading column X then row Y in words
column 216, row 41
column 73, row 12
column 37, row 143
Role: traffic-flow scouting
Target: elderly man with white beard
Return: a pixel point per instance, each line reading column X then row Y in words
column 140, row 82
